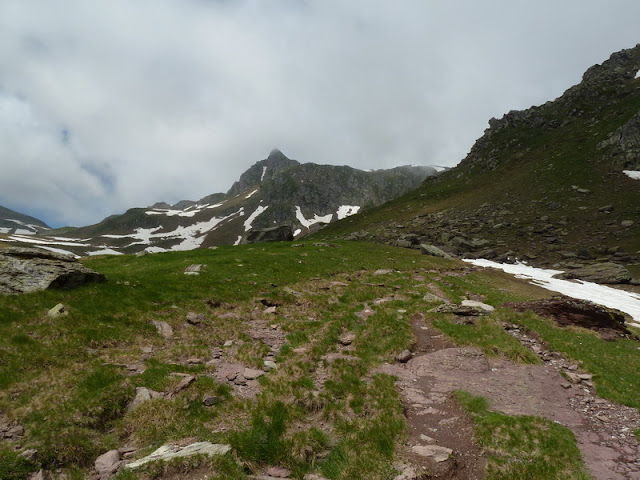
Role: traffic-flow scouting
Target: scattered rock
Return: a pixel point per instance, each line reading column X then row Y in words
column 404, row 356
column 270, row 365
column 30, row 454
column 572, row 377
column 463, row 310
column 627, row 223
column 24, row 270
column 184, row 383
column 568, row 311
column 211, row 401
column 164, row 329
column 608, row 272
column 434, row 251
column 58, row 311
column 347, row 338
column 431, row 298
column 473, row 303
column 107, row 464
column 383, row 271
column 167, row 452
column 434, row 452
column 196, row 318
column 278, row 472
column 143, row 394
column 228, row 343
column 251, row 374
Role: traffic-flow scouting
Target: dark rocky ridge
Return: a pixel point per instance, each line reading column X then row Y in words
column 544, row 184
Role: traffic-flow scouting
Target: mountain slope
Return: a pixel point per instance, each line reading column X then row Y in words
column 14, row 222
column 546, row 184
column 274, row 191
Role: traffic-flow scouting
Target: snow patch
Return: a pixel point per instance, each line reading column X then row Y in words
column 5, row 230
column 635, row 174
column 438, row 168
column 105, row 251
column 237, row 242
column 216, row 205
column 345, row 211
column 316, row 219
column 252, row 193
column 264, row 170
column 297, row 232
column 36, row 241
column 253, row 216
column 637, row 75
column 609, row 297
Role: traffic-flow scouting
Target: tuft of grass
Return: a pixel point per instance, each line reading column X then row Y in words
column 12, row 465
column 523, row 447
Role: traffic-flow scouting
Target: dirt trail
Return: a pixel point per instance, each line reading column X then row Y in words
column 603, row 429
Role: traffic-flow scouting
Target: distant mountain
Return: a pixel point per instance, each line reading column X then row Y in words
column 557, row 184
column 18, row 223
column 276, row 191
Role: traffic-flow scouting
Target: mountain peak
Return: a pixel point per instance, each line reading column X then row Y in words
column 276, row 154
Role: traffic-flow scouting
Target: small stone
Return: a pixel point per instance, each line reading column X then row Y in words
column 107, row 463
column 627, row 223
column 270, row 310
column 58, row 311
column 251, row 374
column 573, row 378
column 164, row 329
column 196, row 318
column 228, row 343
column 382, row 271
column 347, row 338
column 240, row 380
column 427, row 439
column 404, row 356
column 473, row 303
column 195, row 361
column 29, row 454
column 565, row 385
column 435, row 452
column 211, row 401
column 313, row 476
column 184, row 383
column 585, row 376
column 270, row 365
column 278, row 472
column 193, row 269
column 431, row 298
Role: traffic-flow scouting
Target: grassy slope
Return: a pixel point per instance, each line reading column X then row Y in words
column 65, row 379
column 534, row 164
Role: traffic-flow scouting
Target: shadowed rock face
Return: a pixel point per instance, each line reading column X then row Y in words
column 24, row 270
column 580, row 313
column 281, row 233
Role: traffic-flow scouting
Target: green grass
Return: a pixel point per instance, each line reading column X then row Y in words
column 613, row 364
column 523, row 447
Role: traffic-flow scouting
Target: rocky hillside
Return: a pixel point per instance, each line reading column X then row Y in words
column 14, row 222
column 554, row 184
column 276, row 193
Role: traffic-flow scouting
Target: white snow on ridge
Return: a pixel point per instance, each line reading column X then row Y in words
column 264, row 170
column 252, row 193
column 192, row 235
column 36, row 241
column 626, row 302
column 216, row 205
column 28, row 225
column 105, row 251
column 316, row 219
column 171, row 213
column 635, row 174
column 253, row 216
column 345, row 211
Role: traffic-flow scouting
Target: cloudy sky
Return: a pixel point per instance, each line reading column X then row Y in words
column 122, row 103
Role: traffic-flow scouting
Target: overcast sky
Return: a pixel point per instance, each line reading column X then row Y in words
column 121, row 103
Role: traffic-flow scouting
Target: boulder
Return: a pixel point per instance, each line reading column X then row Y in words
column 107, row 464
column 607, row 272
column 167, row 452
column 281, row 233
column 434, row 251
column 24, row 270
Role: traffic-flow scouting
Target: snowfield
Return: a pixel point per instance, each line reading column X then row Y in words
column 345, row 211
column 632, row 174
column 253, row 216
column 316, row 219
column 626, row 302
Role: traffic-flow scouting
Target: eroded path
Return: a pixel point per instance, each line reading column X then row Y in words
column 602, row 429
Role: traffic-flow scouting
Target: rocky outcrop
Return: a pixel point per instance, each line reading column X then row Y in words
column 608, row 273
column 24, row 270
column 281, row 233
column 624, row 145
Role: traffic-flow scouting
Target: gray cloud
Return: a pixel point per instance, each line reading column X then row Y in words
column 109, row 105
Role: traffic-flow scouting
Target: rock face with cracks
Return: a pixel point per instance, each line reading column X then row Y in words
column 25, row 270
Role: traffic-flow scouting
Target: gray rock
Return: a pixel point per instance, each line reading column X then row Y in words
column 463, row 310
column 607, row 272
column 278, row 472
column 107, row 463
column 270, row 365
column 211, row 401
column 347, row 338
column 164, row 329
column 627, row 223
column 434, row 251
column 24, row 270
column 58, row 311
column 194, row 269
column 434, row 452
column 252, row 374
column 30, row 454
column 431, row 298
column 404, row 356
column 473, row 303
column 143, row 394
column 314, row 476
column 196, row 318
